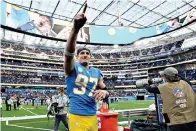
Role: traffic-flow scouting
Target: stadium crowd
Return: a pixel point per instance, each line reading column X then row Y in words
column 51, row 60
column 19, row 77
column 173, row 47
column 128, row 65
column 36, row 52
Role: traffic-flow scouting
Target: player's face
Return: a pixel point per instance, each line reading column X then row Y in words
column 43, row 24
column 84, row 56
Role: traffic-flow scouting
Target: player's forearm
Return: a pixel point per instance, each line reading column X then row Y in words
column 79, row 22
column 107, row 94
column 71, row 42
column 69, row 51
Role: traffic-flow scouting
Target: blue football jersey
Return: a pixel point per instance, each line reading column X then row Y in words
column 80, row 85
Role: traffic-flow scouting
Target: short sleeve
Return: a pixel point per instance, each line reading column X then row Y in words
column 76, row 65
column 74, row 72
column 100, row 74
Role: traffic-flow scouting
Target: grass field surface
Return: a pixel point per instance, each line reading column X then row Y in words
column 42, row 123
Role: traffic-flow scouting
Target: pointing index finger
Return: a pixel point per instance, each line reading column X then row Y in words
column 85, row 7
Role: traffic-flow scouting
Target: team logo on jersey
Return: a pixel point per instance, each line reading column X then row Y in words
column 79, row 69
column 179, row 93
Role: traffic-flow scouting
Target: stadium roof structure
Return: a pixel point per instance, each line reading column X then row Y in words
column 185, row 32
column 135, row 13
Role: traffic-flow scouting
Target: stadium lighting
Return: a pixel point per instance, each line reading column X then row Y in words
column 1, row 35
column 115, row 46
column 56, row 45
column 37, row 43
column 48, row 44
column 15, row 38
column 28, row 42
column 7, row 37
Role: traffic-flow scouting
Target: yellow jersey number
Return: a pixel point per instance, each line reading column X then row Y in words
column 82, row 81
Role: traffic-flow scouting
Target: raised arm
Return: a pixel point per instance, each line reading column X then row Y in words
column 79, row 22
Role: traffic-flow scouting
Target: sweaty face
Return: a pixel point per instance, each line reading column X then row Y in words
column 84, row 57
column 43, row 24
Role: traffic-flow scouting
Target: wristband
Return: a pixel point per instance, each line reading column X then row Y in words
column 68, row 53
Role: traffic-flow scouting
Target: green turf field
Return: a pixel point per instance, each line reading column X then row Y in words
column 41, row 124
column 30, row 110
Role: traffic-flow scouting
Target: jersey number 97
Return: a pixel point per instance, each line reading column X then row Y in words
column 82, row 81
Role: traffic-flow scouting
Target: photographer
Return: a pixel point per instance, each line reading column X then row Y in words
column 179, row 100
column 60, row 101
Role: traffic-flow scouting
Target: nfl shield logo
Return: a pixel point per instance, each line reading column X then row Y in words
column 79, row 69
column 179, row 93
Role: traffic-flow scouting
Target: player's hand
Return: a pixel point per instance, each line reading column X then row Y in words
column 80, row 19
column 100, row 94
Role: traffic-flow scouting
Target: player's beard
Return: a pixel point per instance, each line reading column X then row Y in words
column 84, row 64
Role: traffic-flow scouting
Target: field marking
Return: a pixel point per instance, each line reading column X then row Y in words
column 27, row 108
column 30, row 108
column 31, row 127
column 28, row 111
column 30, row 122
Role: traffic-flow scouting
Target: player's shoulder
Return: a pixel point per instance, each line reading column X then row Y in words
column 78, row 66
column 95, row 70
column 76, row 63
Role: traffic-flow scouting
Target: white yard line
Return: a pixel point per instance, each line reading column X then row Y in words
column 31, row 127
column 23, row 117
column 28, row 111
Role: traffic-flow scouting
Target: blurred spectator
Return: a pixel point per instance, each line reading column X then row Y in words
column 1, row 105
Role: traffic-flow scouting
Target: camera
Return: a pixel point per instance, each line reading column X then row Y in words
column 2, row 89
column 141, row 83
